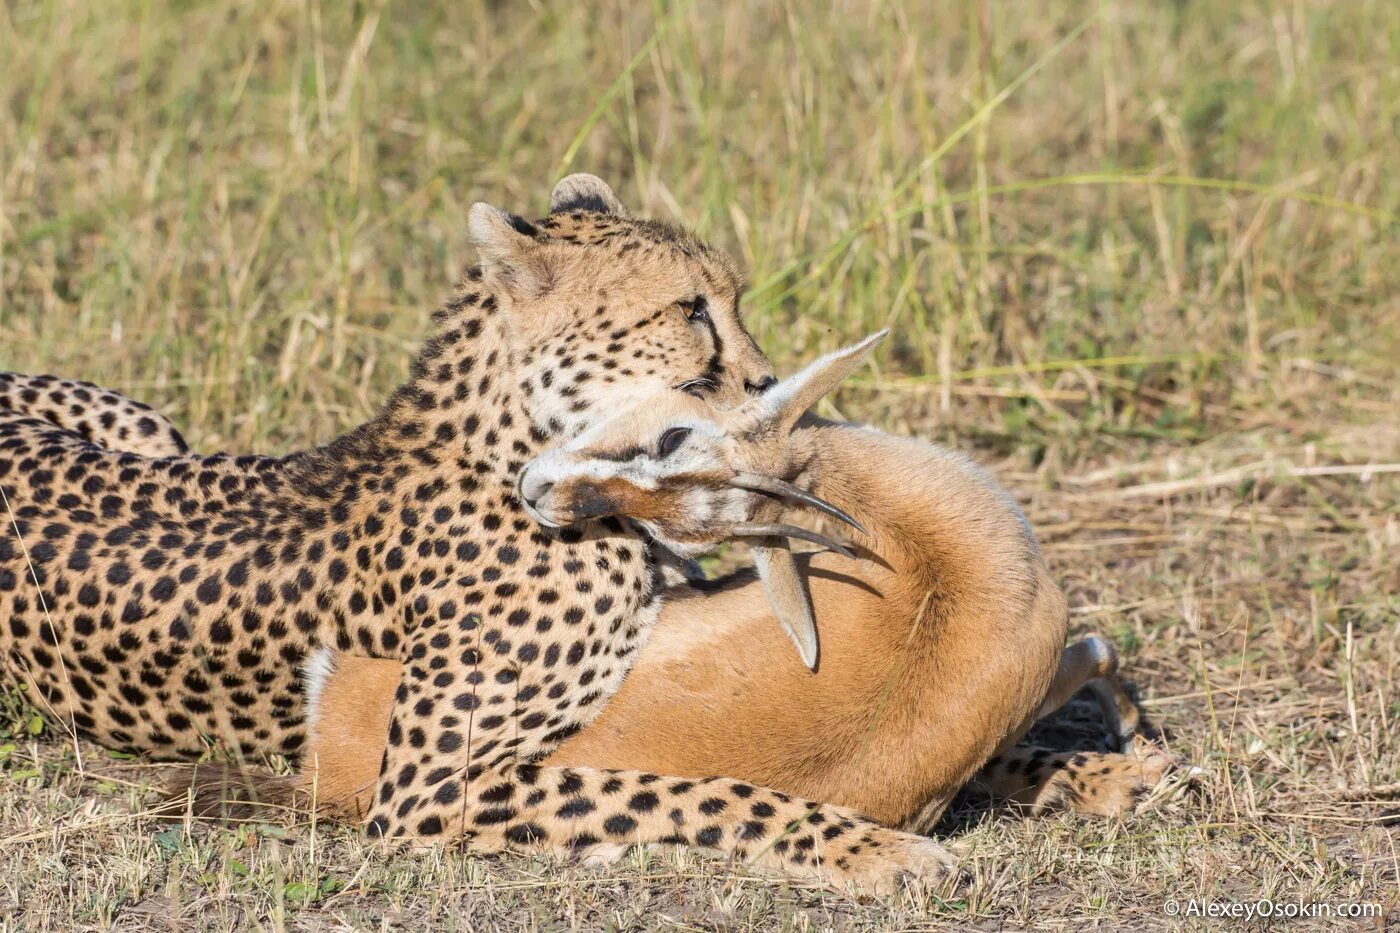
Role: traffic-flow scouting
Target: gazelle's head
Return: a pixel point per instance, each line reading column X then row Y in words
column 693, row 477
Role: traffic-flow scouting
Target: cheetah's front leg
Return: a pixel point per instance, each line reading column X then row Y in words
column 467, row 722
column 569, row 810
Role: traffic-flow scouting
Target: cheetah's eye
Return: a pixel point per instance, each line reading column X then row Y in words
column 671, row 440
column 696, row 309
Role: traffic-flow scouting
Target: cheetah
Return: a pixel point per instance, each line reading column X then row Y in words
column 165, row 605
column 165, row 627
column 356, row 691
column 938, row 648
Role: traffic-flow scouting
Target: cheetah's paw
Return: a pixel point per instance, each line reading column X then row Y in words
column 883, row 859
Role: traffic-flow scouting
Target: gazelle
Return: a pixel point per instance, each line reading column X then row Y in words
column 920, row 662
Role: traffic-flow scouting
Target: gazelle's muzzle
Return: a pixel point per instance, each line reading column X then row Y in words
column 532, row 491
column 573, row 499
column 579, row 499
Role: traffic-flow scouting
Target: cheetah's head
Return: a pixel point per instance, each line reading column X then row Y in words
column 601, row 309
column 694, row 475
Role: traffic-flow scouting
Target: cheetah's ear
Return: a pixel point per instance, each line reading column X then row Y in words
column 509, row 247
column 789, row 599
column 584, row 192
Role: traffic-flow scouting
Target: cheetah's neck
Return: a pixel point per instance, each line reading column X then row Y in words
column 459, row 414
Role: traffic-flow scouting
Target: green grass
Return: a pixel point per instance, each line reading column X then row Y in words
column 1119, row 245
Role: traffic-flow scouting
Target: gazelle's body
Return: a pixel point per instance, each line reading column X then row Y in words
column 939, row 646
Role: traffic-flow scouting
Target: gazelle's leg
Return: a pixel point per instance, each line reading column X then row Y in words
column 1094, row 783
column 348, row 703
column 1097, row 783
column 1093, row 662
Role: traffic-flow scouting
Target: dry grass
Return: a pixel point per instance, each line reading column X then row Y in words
column 1156, row 286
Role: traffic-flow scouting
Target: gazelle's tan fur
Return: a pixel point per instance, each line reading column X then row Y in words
column 940, row 644
column 937, row 645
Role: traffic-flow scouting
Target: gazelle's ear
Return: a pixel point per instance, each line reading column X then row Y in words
column 786, row 402
column 787, row 595
column 584, row 192
column 508, row 247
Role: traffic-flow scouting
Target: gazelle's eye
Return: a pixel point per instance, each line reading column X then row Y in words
column 671, row 440
column 696, row 309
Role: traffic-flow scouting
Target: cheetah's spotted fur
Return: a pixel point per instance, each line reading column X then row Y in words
column 102, row 416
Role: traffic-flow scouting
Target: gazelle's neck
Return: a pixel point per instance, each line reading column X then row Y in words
column 931, row 514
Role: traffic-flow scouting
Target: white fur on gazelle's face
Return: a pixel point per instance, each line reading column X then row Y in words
column 682, row 498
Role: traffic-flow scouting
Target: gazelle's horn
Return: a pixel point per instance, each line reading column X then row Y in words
column 779, row 530
column 784, row 490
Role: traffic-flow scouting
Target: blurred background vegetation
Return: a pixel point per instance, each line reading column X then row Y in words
column 244, row 211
